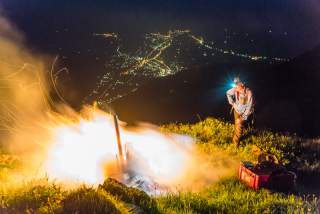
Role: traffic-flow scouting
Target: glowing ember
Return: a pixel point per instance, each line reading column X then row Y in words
column 81, row 152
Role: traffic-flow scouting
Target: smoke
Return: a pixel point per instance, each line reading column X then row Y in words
column 81, row 147
column 23, row 94
column 84, row 150
column 173, row 162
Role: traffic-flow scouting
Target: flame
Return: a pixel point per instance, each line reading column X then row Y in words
column 80, row 151
column 165, row 156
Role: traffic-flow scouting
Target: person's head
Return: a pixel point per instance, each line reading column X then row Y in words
column 239, row 85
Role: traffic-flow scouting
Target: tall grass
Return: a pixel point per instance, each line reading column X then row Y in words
column 228, row 195
column 212, row 133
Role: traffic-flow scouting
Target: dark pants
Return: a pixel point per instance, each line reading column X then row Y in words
column 238, row 126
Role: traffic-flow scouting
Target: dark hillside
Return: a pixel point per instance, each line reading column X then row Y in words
column 286, row 94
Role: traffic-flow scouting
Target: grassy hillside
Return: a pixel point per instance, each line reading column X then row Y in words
column 225, row 196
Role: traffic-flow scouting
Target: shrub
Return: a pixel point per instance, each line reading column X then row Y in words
column 129, row 195
column 31, row 198
column 88, row 200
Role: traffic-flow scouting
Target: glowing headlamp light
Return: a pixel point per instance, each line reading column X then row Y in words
column 232, row 85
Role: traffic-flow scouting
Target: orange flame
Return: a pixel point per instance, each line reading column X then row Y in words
column 80, row 151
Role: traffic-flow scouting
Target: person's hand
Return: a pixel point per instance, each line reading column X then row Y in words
column 244, row 117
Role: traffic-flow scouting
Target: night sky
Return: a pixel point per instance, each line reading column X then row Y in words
column 66, row 28
column 274, row 27
column 277, row 28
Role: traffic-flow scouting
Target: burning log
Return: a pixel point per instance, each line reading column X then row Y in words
column 121, row 158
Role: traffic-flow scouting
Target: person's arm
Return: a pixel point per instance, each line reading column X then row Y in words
column 230, row 96
column 249, row 106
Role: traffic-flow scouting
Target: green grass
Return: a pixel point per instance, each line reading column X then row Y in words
column 228, row 195
column 130, row 195
column 212, row 133
column 33, row 197
column 90, row 200
column 41, row 196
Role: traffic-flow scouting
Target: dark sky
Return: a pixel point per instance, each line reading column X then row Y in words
column 277, row 27
column 274, row 28
column 283, row 28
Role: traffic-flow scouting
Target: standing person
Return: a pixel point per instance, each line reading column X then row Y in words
column 241, row 99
